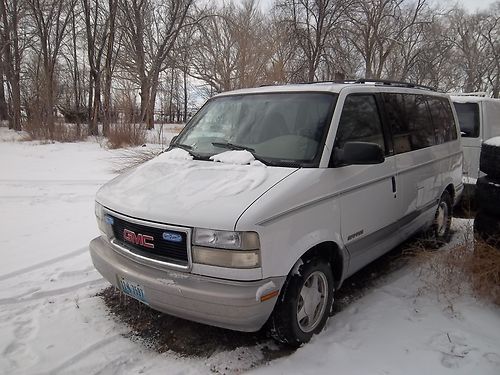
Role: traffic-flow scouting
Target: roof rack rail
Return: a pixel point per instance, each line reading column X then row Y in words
column 383, row 82
column 387, row 82
column 478, row 93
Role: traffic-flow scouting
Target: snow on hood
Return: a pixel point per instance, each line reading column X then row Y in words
column 176, row 153
column 238, row 157
column 173, row 190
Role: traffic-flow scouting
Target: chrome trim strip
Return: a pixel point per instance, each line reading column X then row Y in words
column 145, row 260
column 149, row 261
column 427, row 162
column 331, row 196
column 321, row 199
column 372, row 239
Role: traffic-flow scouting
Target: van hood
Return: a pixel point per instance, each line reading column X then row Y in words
column 191, row 193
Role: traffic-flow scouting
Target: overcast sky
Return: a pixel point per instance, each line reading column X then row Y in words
column 475, row 4
column 470, row 5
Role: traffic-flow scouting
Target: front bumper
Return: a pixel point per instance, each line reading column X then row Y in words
column 222, row 303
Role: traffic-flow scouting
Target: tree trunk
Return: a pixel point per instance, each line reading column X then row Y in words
column 184, row 76
column 144, row 94
column 15, row 113
column 108, row 68
column 96, row 106
column 4, row 111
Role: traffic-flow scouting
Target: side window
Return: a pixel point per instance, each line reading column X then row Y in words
column 410, row 122
column 468, row 118
column 442, row 118
column 360, row 121
column 449, row 121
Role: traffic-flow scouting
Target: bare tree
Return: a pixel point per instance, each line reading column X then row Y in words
column 11, row 12
column 97, row 17
column 378, row 27
column 109, row 64
column 151, row 28
column 313, row 22
column 491, row 34
column 51, row 18
column 231, row 47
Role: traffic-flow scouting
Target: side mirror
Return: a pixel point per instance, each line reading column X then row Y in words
column 359, row 153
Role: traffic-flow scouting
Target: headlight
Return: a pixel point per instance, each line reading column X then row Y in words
column 226, row 258
column 226, row 248
column 226, row 240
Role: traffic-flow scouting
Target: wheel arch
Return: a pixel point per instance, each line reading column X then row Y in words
column 330, row 252
column 451, row 189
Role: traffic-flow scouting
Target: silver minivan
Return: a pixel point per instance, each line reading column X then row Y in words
column 271, row 197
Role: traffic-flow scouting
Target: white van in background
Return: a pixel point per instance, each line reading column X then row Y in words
column 479, row 119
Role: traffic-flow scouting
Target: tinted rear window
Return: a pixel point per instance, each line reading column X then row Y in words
column 443, row 120
column 410, row 121
column 468, row 117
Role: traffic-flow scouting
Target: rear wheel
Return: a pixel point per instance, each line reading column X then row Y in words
column 489, row 160
column 304, row 303
column 488, row 195
column 487, row 228
column 440, row 232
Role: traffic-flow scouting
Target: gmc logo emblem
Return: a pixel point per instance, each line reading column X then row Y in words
column 138, row 239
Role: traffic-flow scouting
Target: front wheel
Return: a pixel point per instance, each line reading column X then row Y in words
column 304, row 303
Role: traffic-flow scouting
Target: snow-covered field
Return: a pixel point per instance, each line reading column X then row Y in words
column 51, row 321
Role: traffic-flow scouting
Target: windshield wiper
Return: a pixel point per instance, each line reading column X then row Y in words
column 232, row 146
column 189, row 149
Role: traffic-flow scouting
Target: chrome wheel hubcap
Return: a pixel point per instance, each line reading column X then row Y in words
column 312, row 301
column 442, row 219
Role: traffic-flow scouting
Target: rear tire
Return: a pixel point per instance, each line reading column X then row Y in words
column 440, row 231
column 487, row 228
column 489, row 161
column 304, row 303
column 488, row 195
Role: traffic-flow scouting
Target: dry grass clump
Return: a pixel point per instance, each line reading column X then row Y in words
column 484, row 268
column 61, row 132
column 472, row 265
column 126, row 134
column 131, row 158
column 165, row 333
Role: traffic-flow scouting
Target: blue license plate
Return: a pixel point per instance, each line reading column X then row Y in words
column 132, row 289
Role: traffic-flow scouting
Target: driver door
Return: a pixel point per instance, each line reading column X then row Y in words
column 369, row 196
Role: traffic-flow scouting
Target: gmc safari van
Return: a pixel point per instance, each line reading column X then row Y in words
column 271, row 197
column 479, row 120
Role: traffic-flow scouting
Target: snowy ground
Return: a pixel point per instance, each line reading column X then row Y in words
column 51, row 321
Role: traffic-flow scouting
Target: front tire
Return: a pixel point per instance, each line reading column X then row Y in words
column 304, row 303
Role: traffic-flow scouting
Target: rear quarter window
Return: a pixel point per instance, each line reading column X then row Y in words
column 410, row 122
column 442, row 118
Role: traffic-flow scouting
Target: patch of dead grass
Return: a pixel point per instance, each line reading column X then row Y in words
column 131, row 158
column 126, row 134
column 471, row 266
column 61, row 132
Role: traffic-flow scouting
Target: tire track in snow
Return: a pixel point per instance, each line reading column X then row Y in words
column 83, row 354
column 52, row 182
column 49, row 293
column 43, row 264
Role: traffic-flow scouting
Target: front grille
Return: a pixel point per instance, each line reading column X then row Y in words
column 165, row 251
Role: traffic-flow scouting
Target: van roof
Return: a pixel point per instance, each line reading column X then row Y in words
column 328, row 86
column 472, row 99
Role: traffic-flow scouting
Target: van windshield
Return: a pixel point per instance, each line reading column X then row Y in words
column 468, row 117
column 285, row 129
